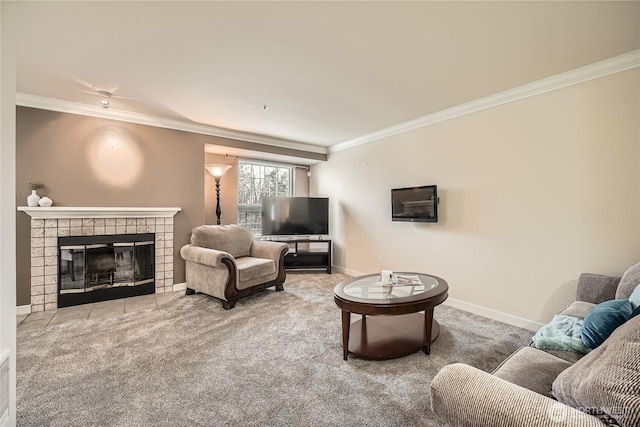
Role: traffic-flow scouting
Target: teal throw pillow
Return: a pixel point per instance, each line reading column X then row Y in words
column 635, row 297
column 603, row 319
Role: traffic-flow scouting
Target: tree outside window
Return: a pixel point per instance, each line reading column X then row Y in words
column 258, row 180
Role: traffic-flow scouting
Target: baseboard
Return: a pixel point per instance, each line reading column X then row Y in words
column 342, row 270
column 23, row 309
column 179, row 286
column 471, row 308
column 494, row 314
column 5, row 385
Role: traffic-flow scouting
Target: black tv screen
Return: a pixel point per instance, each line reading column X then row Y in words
column 415, row 204
column 292, row 216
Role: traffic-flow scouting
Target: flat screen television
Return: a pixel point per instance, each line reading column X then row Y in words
column 294, row 216
column 415, row 204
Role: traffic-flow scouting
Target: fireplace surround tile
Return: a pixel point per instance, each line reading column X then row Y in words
column 45, row 233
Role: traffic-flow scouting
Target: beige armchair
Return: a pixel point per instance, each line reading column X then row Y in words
column 225, row 262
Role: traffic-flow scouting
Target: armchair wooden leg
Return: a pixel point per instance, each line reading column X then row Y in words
column 189, row 291
column 280, row 287
column 228, row 305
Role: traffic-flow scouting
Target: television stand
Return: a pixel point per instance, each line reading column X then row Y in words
column 308, row 254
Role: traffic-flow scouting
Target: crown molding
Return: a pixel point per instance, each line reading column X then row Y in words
column 604, row 68
column 34, row 101
column 596, row 70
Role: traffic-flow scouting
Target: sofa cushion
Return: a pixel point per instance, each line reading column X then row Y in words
column 596, row 288
column 234, row 239
column 608, row 378
column 578, row 309
column 569, row 356
column 603, row 319
column 531, row 368
column 628, row 282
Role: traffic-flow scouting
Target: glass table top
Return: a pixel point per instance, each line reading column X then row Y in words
column 372, row 288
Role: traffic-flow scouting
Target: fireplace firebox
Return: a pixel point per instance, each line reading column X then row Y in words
column 101, row 268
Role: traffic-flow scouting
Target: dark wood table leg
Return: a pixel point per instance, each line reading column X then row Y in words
column 428, row 325
column 346, row 325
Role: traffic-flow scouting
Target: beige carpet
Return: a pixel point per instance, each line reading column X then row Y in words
column 274, row 360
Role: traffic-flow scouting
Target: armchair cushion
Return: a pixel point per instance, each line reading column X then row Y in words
column 250, row 269
column 234, row 239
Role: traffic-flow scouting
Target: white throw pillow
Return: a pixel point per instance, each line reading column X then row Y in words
column 634, row 298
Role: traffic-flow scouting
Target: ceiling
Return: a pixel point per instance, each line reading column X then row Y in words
column 306, row 75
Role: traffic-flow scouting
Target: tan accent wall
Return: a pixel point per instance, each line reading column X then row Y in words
column 532, row 193
column 301, row 180
column 86, row 161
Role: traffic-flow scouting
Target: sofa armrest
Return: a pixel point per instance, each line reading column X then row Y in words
column 596, row 288
column 269, row 250
column 205, row 256
column 462, row 395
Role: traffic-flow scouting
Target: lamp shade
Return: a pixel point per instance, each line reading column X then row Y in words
column 217, row 170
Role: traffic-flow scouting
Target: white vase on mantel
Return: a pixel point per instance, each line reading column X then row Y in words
column 33, row 199
column 45, row 202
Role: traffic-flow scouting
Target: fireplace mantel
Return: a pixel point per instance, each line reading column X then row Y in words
column 60, row 212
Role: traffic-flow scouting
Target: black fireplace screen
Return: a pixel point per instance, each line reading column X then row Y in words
column 118, row 265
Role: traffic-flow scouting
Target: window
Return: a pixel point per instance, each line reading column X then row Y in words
column 255, row 181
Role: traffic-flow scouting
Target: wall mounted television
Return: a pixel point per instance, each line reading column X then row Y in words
column 294, row 216
column 415, row 204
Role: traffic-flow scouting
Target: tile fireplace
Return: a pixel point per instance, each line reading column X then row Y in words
column 102, row 231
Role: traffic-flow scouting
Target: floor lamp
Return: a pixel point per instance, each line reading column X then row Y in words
column 217, row 170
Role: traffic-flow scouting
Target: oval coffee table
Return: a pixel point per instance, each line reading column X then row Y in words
column 396, row 327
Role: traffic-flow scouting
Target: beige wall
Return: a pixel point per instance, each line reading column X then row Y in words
column 532, row 193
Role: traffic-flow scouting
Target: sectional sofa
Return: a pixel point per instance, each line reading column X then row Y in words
column 535, row 387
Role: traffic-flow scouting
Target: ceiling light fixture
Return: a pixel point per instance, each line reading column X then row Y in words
column 104, row 98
